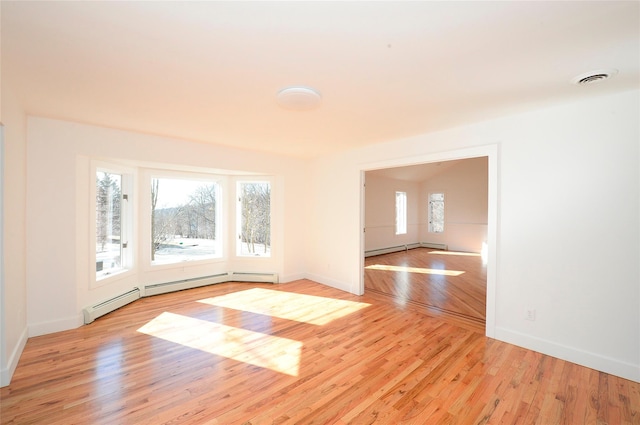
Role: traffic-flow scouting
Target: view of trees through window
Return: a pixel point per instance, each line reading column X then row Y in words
column 184, row 220
column 436, row 212
column 108, row 223
column 254, row 218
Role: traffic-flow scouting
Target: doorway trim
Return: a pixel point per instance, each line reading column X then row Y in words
column 489, row 151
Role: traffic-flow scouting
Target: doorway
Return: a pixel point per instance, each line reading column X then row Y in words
column 445, row 273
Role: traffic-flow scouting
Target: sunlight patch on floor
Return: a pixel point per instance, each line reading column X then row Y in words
column 386, row 267
column 267, row 351
column 287, row 305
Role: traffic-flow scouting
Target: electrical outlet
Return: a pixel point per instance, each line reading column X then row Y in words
column 531, row 314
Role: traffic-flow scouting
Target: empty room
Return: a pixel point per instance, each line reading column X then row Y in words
column 426, row 237
column 320, row 212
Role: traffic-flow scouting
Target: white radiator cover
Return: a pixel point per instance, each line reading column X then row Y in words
column 179, row 285
column 440, row 246
column 162, row 288
column 91, row 313
column 254, row 277
column 406, row 247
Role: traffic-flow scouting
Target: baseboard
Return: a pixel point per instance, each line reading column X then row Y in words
column 7, row 373
column 571, row 354
column 43, row 328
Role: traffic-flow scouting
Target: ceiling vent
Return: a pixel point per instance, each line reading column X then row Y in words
column 594, row 76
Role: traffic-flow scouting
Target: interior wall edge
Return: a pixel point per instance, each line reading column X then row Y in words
column 12, row 363
column 332, row 283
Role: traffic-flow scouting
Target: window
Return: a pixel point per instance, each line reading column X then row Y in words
column 254, row 218
column 184, row 222
column 185, row 218
column 112, row 215
column 401, row 213
column 436, row 212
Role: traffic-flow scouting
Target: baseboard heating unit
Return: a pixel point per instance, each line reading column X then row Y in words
column 254, row 277
column 391, row 249
column 93, row 312
column 179, row 285
column 440, row 246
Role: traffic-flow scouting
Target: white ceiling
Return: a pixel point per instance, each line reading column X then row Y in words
column 209, row 71
column 415, row 173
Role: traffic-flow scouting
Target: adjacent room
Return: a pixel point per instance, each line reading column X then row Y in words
column 320, row 212
column 426, row 236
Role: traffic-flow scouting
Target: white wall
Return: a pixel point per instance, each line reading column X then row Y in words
column 59, row 176
column 568, row 234
column 465, row 186
column 380, row 212
column 14, row 311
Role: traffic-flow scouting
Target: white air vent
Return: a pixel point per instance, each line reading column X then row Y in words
column 93, row 312
column 594, row 76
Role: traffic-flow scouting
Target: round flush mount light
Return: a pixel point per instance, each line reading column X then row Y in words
column 299, row 98
column 592, row 77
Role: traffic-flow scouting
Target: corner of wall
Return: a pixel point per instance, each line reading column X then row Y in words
column 43, row 328
column 12, row 363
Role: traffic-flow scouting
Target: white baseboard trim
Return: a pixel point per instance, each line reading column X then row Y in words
column 571, row 354
column 7, row 373
column 43, row 328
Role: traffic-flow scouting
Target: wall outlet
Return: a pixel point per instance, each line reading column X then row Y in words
column 531, row 314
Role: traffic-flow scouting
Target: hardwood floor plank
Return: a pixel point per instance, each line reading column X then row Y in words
column 373, row 361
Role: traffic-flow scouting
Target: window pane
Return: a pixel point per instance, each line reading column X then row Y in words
column 401, row 213
column 436, row 212
column 108, row 223
column 254, row 219
column 184, row 220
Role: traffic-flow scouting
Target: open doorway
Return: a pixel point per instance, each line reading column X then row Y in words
column 426, row 237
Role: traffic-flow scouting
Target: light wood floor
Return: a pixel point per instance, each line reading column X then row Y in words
column 297, row 353
column 447, row 284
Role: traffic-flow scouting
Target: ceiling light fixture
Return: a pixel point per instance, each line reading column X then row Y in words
column 299, row 98
column 594, row 76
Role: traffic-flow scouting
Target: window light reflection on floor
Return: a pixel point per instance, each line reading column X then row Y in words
column 309, row 309
column 386, row 267
column 267, row 351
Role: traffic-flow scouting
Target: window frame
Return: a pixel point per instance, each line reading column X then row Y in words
column 127, row 222
column 401, row 212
